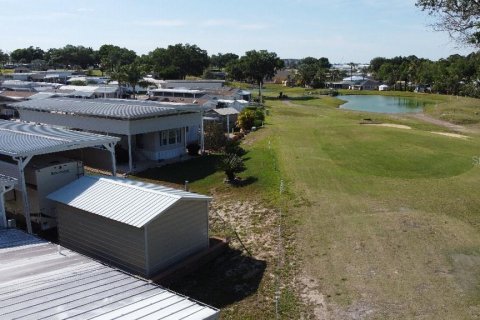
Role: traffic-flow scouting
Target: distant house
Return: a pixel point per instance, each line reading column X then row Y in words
column 177, row 93
column 191, row 84
column 142, row 228
column 227, row 116
column 365, row 85
column 89, row 91
column 22, row 69
column 22, row 76
column 283, row 75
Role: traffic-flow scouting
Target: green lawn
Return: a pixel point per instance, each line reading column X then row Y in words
column 392, row 226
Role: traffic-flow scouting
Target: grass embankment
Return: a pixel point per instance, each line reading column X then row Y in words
column 392, row 229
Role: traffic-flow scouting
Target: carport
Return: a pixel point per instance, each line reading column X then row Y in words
column 22, row 141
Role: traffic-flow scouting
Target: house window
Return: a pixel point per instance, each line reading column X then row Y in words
column 172, row 137
column 169, row 137
column 164, row 140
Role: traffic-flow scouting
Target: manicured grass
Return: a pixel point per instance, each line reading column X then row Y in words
column 392, row 226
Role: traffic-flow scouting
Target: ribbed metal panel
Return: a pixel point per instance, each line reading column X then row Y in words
column 226, row 111
column 23, row 139
column 130, row 202
column 39, row 282
column 177, row 234
column 116, row 243
column 109, row 108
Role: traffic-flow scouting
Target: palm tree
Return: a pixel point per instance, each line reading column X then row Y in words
column 352, row 67
column 131, row 74
column 118, row 75
column 134, row 74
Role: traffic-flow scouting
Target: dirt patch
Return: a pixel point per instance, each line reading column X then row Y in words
column 438, row 122
column 453, row 135
column 251, row 221
column 311, row 295
column 466, row 270
column 390, row 125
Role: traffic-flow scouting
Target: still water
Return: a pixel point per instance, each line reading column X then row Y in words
column 382, row 104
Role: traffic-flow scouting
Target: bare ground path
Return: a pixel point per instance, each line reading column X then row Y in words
column 442, row 123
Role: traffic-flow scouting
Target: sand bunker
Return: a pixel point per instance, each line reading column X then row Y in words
column 453, row 135
column 391, row 125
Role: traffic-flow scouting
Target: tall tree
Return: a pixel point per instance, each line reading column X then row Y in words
column 307, row 69
column 178, row 61
column 72, row 56
column 222, row 60
column 259, row 65
column 26, row 55
column 4, row 57
column 460, row 18
column 112, row 57
column 132, row 74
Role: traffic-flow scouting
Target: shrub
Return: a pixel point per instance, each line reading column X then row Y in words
column 231, row 164
column 246, row 119
column 215, row 138
column 259, row 115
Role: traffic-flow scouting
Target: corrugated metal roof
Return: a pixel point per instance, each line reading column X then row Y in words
column 131, row 202
column 108, row 108
column 39, row 281
column 23, row 139
column 226, row 111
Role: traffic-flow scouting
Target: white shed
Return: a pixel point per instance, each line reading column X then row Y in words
column 142, row 228
column 383, row 87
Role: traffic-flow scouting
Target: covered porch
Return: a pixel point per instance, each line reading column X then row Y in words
column 20, row 142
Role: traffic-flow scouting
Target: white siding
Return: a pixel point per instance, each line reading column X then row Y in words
column 108, row 240
column 76, row 121
column 181, row 231
column 165, row 123
column 106, row 125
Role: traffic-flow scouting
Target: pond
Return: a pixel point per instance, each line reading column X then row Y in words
column 381, row 104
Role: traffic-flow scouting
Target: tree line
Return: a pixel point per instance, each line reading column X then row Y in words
column 174, row 62
column 456, row 75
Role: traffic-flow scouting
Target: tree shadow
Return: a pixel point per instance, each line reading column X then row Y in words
column 240, row 182
column 192, row 170
column 231, row 277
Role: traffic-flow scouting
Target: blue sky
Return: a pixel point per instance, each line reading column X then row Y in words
column 341, row 30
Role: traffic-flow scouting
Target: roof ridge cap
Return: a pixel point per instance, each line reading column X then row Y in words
column 117, row 181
